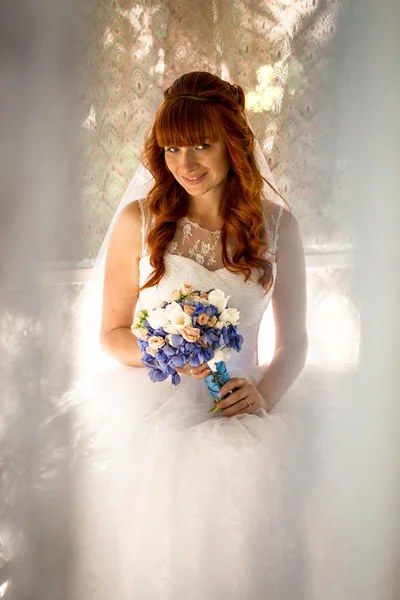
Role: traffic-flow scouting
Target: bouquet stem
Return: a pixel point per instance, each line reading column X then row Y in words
column 215, row 381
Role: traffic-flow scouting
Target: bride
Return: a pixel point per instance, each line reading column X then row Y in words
column 173, row 502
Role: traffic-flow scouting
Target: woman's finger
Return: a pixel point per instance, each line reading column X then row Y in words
column 200, row 372
column 234, row 402
column 234, row 395
column 235, row 382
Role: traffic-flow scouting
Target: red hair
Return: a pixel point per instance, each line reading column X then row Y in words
column 197, row 106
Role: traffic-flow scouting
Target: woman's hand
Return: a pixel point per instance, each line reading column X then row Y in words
column 197, row 372
column 246, row 399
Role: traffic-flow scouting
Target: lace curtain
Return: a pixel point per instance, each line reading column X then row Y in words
column 280, row 52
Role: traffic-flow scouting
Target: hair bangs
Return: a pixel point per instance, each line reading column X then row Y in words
column 186, row 122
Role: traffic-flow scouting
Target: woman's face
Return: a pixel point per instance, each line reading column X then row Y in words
column 199, row 169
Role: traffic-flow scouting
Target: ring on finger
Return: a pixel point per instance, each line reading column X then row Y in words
column 248, row 403
column 191, row 371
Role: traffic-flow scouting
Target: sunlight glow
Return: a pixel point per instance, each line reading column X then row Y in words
column 3, row 588
column 90, row 121
column 108, row 37
column 268, row 94
column 140, row 17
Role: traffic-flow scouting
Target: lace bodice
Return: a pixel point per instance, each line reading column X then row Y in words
column 199, row 244
column 195, row 256
column 202, row 245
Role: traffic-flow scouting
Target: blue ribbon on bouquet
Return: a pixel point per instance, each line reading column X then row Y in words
column 215, row 381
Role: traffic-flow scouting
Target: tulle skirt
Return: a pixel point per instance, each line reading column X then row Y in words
column 172, row 502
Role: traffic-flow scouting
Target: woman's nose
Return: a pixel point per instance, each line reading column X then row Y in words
column 188, row 160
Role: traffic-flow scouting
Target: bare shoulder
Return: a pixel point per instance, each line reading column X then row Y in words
column 132, row 213
column 128, row 228
column 288, row 237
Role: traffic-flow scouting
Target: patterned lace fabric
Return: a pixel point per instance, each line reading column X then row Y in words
column 202, row 245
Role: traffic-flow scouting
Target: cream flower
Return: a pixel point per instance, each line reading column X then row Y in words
column 218, row 299
column 186, row 289
column 140, row 317
column 189, row 310
column 177, row 318
column 223, row 355
column 230, row 315
column 141, row 332
column 195, row 298
column 190, row 334
column 202, row 319
column 174, row 296
column 156, row 341
column 151, row 351
column 158, row 318
column 212, row 321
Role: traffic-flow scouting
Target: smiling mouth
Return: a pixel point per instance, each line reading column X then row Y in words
column 192, row 180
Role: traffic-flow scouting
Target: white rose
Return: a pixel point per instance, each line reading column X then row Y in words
column 158, row 318
column 218, row 299
column 230, row 314
column 220, row 354
column 177, row 318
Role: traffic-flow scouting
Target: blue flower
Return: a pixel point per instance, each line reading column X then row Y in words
column 157, row 375
column 176, row 340
column 169, row 351
column 163, row 367
column 161, row 357
column 177, row 361
column 148, row 361
column 208, row 353
column 213, row 335
column 160, row 332
column 238, row 343
column 143, row 344
column 149, row 327
column 175, row 378
column 194, row 360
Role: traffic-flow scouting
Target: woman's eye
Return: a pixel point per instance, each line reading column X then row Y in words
column 174, row 149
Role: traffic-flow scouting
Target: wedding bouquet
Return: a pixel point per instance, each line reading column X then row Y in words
column 191, row 327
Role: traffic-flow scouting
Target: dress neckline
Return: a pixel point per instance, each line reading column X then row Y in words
column 195, row 224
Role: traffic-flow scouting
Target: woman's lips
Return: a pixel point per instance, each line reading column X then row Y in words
column 192, row 181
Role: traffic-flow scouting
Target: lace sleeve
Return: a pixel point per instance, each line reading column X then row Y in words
column 147, row 224
column 275, row 234
column 272, row 215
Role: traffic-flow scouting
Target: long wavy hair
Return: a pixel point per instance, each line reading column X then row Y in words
column 197, row 106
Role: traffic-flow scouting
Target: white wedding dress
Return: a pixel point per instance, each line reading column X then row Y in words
column 172, row 502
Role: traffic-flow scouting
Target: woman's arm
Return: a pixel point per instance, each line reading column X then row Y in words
column 289, row 309
column 121, row 288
